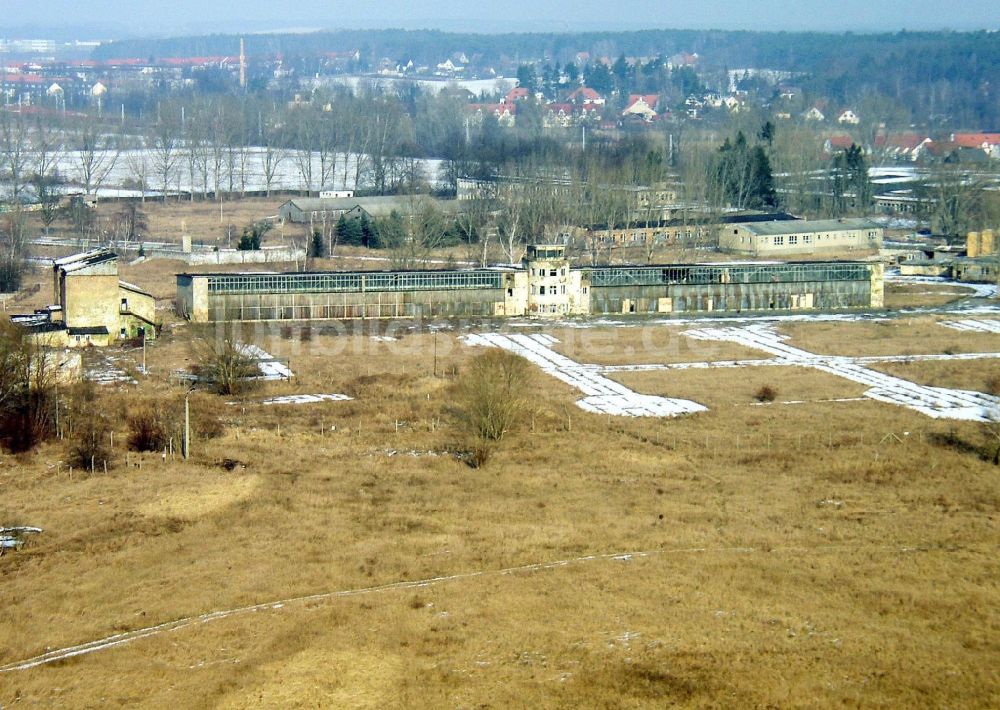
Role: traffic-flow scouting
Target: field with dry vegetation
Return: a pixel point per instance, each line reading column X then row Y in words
column 781, row 550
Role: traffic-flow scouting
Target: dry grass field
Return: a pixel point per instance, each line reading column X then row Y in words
column 819, row 554
column 898, row 336
column 900, row 295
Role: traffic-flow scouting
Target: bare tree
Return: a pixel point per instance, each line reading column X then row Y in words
column 27, row 389
column 272, row 155
column 13, row 249
column 222, row 361
column 137, row 159
column 493, row 395
column 15, row 149
column 96, row 155
column 164, row 141
column 47, row 146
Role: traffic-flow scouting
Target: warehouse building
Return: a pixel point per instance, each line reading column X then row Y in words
column 775, row 239
column 310, row 210
column 544, row 285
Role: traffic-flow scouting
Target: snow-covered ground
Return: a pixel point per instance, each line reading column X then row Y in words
column 306, row 399
column 973, row 326
column 604, row 396
column 936, row 402
column 270, row 368
column 123, row 169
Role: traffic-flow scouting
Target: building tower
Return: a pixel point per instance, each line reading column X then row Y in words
column 243, row 64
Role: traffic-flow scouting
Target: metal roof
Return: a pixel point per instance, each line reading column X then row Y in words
column 376, row 206
column 85, row 259
column 807, row 226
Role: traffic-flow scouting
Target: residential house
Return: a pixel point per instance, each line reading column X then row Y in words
column 989, row 143
column 902, row 146
column 814, row 114
column 682, row 59
column 641, row 106
column 585, row 96
column 848, row 117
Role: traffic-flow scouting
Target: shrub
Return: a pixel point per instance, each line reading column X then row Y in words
column 766, row 393
column 492, row 393
column 223, row 362
column 148, row 429
column 27, row 390
column 90, row 448
column 205, row 422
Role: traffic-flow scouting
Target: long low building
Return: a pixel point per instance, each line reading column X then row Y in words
column 306, row 210
column 801, row 237
column 545, row 285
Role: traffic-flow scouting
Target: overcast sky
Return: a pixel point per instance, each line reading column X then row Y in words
column 212, row 16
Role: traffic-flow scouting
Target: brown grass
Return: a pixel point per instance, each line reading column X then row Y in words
column 797, row 555
column 898, row 295
column 956, row 374
column 899, row 336
column 644, row 343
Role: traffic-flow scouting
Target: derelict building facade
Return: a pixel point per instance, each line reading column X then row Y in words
column 545, row 285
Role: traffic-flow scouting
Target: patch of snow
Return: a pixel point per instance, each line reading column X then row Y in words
column 604, row 396
column 306, row 399
column 270, row 368
column 973, row 326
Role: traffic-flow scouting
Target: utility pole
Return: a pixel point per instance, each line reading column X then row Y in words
column 187, row 426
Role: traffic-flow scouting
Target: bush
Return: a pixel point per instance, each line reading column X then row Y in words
column 766, row 393
column 205, row 421
column 152, row 424
column 493, row 393
column 223, row 362
column 27, row 390
column 148, row 429
column 90, row 449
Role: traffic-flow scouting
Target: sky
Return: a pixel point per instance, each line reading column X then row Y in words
column 160, row 17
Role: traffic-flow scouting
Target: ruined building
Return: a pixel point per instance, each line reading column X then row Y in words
column 544, row 285
column 91, row 306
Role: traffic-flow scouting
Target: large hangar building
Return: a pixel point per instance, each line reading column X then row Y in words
column 545, row 286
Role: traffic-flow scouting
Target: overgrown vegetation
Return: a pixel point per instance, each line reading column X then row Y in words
column 27, row 390
column 222, row 362
column 493, row 395
column 765, row 393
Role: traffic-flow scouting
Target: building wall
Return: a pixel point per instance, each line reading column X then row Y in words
column 471, row 303
column 743, row 239
column 555, row 289
column 91, row 300
column 707, row 298
column 980, row 244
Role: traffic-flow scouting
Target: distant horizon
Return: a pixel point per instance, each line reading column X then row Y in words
column 103, row 19
column 112, row 34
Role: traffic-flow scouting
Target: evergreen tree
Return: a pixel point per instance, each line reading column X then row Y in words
column 349, row 231
column 742, row 175
column 526, row 78
column 598, row 78
column 317, row 248
column 369, row 235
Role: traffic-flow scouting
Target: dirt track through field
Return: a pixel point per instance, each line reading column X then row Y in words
column 127, row 637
